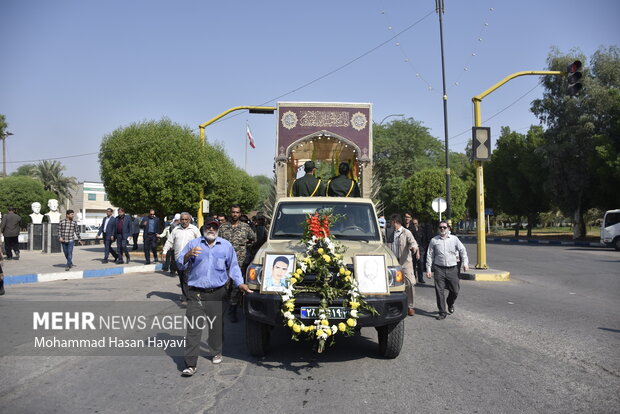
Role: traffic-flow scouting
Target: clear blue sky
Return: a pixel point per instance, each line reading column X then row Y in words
column 75, row 70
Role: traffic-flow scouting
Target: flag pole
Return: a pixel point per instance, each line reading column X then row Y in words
column 246, row 145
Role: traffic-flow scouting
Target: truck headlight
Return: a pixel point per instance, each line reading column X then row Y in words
column 253, row 274
column 396, row 275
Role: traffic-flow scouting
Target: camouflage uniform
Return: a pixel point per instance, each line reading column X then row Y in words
column 239, row 236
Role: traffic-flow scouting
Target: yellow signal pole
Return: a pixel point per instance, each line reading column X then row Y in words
column 481, row 235
column 252, row 109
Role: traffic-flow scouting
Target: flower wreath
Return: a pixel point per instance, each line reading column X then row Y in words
column 324, row 258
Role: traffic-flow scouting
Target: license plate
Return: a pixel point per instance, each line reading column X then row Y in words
column 311, row 312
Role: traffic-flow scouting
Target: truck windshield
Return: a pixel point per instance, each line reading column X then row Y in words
column 357, row 221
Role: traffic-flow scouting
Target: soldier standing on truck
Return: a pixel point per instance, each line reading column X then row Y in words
column 343, row 186
column 239, row 234
column 308, row 185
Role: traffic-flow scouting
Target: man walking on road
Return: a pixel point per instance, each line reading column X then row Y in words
column 152, row 227
column 108, row 230
column 441, row 262
column 68, row 232
column 240, row 235
column 405, row 247
column 176, row 241
column 9, row 227
column 207, row 257
column 123, row 232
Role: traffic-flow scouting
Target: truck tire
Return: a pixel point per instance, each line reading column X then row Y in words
column 391, row 339
column 257, row 337
column 617, row 243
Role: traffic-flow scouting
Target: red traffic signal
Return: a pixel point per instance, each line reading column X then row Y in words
column 574, row 74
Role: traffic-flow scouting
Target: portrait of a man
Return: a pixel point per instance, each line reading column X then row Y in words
column 278, row 269
column 371, row 275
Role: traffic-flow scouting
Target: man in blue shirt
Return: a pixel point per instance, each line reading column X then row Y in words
column 208, row 258
column 152, row 227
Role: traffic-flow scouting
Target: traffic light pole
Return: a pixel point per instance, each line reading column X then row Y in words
column 252, row 109
column 481, row 235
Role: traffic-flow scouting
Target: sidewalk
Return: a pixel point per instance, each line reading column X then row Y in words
column 491, row 239
column 34, row 266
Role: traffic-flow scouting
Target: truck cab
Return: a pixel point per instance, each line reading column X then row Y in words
column 610, row 229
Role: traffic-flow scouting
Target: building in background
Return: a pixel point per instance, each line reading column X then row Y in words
column 90, row 200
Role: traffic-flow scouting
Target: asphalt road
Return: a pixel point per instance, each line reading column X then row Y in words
column 545, row 342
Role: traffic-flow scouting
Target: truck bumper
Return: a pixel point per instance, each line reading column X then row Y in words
column 267, row 308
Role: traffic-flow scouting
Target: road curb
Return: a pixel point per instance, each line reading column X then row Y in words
column 82, row 274
column 486, row 275
column 533, row 241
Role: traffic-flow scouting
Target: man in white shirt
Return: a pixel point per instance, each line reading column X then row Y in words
column 441, row 262
column 177, row 240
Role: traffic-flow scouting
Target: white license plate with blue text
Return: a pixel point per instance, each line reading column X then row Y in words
column 311, row 312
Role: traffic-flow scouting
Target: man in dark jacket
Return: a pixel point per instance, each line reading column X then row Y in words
column 108, row 230
column 308, row 185
column 9, row 226
column 343, row 186
column 123, row 232
column 151, row 226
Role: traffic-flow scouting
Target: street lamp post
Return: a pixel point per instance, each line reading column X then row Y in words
column 252, row 110
column 6, row 134
column 389, row 116
column 439, row 10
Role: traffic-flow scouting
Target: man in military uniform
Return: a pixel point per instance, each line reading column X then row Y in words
column 343, row 186
column 240, row 235
column 308, row 185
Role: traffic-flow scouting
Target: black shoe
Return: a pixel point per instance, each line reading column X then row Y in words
column 135, row 248
column 127, row 256
column 165, row 269
column 441, row 316
column 147, row 262
column 104, row 261
column 451, row 309
column 16, row 257
column 118, row 261
column 67, row 268
column 232, row 313
column 421, row 282
column 1, row 287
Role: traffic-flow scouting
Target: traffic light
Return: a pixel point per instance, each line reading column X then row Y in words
column 481, row 143
column 574, row 76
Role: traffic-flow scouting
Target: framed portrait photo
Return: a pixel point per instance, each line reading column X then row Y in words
column 277, row 270
column 371, row 274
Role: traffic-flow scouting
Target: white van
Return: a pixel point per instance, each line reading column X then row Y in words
column 610, row 229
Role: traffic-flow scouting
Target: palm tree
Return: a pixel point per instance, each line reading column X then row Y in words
column 50, row 174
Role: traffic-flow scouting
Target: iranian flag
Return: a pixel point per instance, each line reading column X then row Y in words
column 249, row 134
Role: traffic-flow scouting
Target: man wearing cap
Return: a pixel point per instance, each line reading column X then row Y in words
column 343, row 186
column 308, row 185
column 207, row 258
column 108, row 229
column 152, row 227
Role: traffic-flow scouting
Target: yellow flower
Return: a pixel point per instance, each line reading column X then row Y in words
column 299, row 271
column 327, row 258
column 294, row 280
column 289, row 305
column 296, row 328
column 328, row 332
column 347, row 278
column 320, row 250
column 325, row 322
column 342, row 327
column 354, row 305
column 348, row 273
column 351, row 322
column 342, row 270
column 290, row 323
column 319, row 332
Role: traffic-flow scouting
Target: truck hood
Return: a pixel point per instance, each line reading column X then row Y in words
column 353, row 247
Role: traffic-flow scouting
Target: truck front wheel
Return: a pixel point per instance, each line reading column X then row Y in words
column 257, row 337
column 391, row 339
column 616, row 243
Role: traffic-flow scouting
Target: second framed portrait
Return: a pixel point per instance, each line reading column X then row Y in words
column 371, row 274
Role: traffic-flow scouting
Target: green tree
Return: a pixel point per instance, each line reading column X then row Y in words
column 513, row 176
column 20, row 192
column 421, row 188
column 26, row 169
column 50, row 174
column 264, row 189
column 581, row 146
column 401, row 148
column 163, row 166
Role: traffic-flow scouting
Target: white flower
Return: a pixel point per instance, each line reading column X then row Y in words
column 289, row 315
column 317, row 321
column 353, row 313
column 334, row 329
column 302, row 325
column 323, row 336
column 322, row 316
column 303, row 266
column 285, row 297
